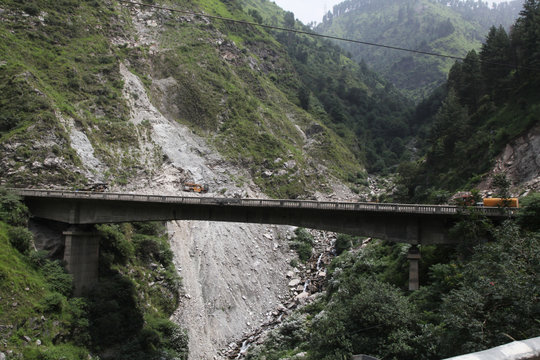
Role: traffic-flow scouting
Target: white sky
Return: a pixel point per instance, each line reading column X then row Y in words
column 314, row 10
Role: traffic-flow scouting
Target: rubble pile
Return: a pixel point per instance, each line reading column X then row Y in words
column 306, row 283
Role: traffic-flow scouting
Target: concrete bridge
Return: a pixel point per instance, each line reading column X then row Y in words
column 413, row 224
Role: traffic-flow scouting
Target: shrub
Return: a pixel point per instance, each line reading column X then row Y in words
column 149, row 228
column 343, row 242
column 39, row 258
column 146, row 247
column 172, row 337
column 20, row 238
column 77, row 310
column 12, row 210
column 31, row 9
column 113, row 311
column 114, row 242
column 529, row 216
column 303, row 235
column 302, row 243
column 303, row 250
column 52, row 303
column 57, row 278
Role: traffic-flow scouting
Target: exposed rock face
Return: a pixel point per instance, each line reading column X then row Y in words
column 232, row 277
column 520, row 161
column 233, row 274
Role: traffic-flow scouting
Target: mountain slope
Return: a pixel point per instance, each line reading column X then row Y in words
column 364, row 109
column 445, row 27
column 66, row 82
column 145, row 99
column 488, row 106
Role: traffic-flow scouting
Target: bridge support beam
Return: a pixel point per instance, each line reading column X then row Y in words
column 414, row 259
column 81, row 255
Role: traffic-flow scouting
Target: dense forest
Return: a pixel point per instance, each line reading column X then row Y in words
column 478, row 11
column 489, row 99
column 449, row 28
column 377, row 121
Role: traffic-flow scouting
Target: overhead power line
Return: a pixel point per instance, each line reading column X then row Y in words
column 245, row 22
column 314, row 34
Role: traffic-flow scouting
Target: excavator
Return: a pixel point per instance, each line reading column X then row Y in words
column 192, row 187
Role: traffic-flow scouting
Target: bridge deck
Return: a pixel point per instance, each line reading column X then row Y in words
column 269, row 203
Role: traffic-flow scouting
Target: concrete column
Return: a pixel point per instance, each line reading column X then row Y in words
column 81, row 255
column 413, row 257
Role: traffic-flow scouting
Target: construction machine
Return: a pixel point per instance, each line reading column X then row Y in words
column 198, row 188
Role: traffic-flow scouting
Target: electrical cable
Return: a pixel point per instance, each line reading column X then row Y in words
column 296, row 31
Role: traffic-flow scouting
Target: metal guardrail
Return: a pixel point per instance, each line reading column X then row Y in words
column 297, row 204
column 517, row 350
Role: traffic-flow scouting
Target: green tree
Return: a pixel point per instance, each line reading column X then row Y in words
column 449, row 130
column 497, row 298
column 496, row 61
column 526, row 36
column 21, row 239
column 502, row 185
column 12, row 210
column 364, row 316
column 529, row 215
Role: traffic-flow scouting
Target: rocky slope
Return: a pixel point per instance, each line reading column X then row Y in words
column 231, row 273
column 520, row 161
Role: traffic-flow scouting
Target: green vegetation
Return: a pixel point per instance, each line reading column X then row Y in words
column 124, row 316
column 484, row 105
column 366, row 112
column 468, row 300
column 302, row 243
column 439, row 26
column 60, row 70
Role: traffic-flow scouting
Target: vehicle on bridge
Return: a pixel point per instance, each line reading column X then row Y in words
column 501, row 202
column 466, row 198
column 192, row 187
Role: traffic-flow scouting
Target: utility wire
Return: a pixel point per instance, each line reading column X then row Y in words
column 314, row 34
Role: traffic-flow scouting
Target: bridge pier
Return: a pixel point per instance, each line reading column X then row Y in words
column 414, row 258
column 81, row 255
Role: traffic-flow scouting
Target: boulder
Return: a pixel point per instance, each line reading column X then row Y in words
column 294, row 282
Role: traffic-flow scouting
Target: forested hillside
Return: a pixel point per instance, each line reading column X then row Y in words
column 443, row 27
column 370, row 113
column 125, row 316
column 145, row 97
column 477, row 296
column 489, row 99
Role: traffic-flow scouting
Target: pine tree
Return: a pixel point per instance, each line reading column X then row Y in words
column 495, row 60
column 526, row 36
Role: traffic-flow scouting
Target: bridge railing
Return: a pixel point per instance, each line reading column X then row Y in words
column 283, row 203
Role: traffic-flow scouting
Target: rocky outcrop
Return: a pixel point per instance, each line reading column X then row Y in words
column 520, row 161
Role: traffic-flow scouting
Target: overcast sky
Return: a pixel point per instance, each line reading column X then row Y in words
column 314, row 10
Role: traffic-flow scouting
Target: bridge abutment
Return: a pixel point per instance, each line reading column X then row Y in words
column 81, row 255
